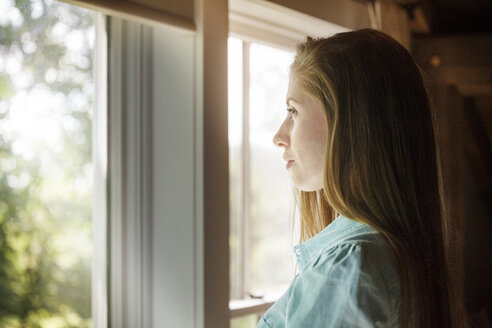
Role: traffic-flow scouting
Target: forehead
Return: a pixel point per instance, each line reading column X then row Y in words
column 294, row 92
column 297, row 94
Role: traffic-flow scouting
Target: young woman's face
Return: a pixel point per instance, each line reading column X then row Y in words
column 303, row 137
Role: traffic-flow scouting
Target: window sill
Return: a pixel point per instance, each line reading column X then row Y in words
column 239, row 308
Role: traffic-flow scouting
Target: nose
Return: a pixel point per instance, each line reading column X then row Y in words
column 282, row 138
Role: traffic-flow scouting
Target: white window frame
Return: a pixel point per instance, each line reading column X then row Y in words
column 154, row 232
column 100, row 165
column 145, row 90
column 156, row 261
column 266, row 23
column 130, row 170
column 122, row 162
column 271, row 24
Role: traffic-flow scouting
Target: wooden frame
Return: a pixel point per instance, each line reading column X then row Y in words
column 213, row 174
column 157, row 13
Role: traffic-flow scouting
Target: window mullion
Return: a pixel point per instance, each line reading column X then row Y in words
column 100, row 153
column 130, row 169
column 245, row 183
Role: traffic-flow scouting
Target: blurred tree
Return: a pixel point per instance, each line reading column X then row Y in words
column 45, row 180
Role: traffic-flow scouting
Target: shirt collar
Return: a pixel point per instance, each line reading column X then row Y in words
column 325, row 239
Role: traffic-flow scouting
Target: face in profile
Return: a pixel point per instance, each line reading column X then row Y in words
column 302, row 135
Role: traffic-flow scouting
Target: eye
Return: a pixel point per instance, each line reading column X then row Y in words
column 292, row 111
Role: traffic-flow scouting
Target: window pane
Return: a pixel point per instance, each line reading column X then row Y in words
column 271, row 204
column 248, row 321
column 46, row 93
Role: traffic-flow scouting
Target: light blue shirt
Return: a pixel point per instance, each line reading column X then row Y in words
column 348, row 277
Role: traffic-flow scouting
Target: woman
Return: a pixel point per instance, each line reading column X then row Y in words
column 359, row 144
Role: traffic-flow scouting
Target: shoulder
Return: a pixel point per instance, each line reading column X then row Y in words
column 364, row 247
column 365, row 255
column 353, row 283
column 348, row 278
column 363, row 259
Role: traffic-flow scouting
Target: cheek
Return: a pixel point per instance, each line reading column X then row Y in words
column 310, row 141
column 317, row 152
column 307, row 174
column 319, row 134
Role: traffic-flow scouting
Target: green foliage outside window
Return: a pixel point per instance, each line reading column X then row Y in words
column 46, row 92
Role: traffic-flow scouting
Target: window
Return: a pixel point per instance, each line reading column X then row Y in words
column 46, row 176
column 261, row 239
column 262, row 231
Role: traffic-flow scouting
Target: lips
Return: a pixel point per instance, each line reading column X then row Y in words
column 289, row 161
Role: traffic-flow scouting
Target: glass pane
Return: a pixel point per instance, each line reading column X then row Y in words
column 46, row 92
column 248, row 321
column 235, row 59
column 271, row 201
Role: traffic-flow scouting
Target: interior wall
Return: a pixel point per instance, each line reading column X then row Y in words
column 394, row 22
column 464, row 61
column 477, row 246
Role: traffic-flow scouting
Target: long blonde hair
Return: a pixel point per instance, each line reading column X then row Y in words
column 380, row 165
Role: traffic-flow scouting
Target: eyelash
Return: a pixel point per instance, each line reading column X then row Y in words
column 292, row 111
